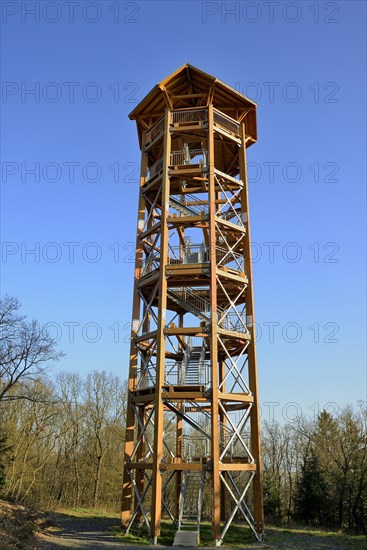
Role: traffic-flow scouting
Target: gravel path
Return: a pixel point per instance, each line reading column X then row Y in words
column 83, row 533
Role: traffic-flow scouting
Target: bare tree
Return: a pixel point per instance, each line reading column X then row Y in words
column 73, row 414
column 26, row 349
column 104, row 398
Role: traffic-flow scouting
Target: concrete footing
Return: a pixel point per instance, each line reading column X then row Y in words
column 186, row 538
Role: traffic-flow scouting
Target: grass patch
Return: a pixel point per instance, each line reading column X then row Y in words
column 297, row 536
column 236, row 536
column 292, row 537
column 287, row 537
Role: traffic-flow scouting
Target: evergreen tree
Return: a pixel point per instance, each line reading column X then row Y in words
column 272, row 498
column 311, row 497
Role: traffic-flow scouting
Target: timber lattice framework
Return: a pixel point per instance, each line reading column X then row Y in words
column 192, row 431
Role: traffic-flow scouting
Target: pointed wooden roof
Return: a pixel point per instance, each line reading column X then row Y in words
column 190, row 87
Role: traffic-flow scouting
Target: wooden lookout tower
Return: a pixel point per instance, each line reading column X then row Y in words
column 192, row 449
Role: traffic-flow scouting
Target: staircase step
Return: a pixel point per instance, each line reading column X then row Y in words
column 182, row 208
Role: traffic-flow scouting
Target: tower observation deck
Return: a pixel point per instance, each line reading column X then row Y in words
column 192, row 449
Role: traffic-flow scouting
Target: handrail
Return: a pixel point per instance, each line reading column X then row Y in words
column 181, row 158
column 198, row 302
column 154, row 130
column 176, row 373
column 155, row 168
column 190, row 203
column 204, row 207
column 226, row 122
column 189, row 115
column 189, row 254
column 150, row 263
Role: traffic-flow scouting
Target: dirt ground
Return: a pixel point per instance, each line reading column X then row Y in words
column 73, row 532
column 97, row 534
column 24, row 529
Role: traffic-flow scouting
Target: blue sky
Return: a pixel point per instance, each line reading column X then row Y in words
column 88, row 64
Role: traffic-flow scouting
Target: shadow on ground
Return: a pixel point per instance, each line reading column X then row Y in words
column 88, row 532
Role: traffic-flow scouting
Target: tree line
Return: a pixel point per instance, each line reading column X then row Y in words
column 65, row 445
column 61, row 440
column 316, row 471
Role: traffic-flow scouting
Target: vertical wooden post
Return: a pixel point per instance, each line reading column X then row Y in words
column 141, row 448
column 127, row 488
column 213, row 334
column 161, row 343
column 178, row 480
column 223, row 421
column 140, row 454
column 251, row 350
column 178, row 455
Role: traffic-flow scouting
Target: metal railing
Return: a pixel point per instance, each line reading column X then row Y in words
column 194, row 254
column 146, row 378
column 226, row 122
column 189, row 115
column 235, row 447
column 233, row 323
column 190, row 297
column 179, row 158
column 155, row 169
column 172, row 373
column 225, row 431
column 231, row 214
column 192, row 202
column 189, row 254
column 150, row 264
column 195, row 446
column 193, row 156
column 175, row 375
column 155, row 130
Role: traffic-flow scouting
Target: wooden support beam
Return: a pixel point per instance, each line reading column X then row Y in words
column 183, row 396
column 223, row 423
column 179, row 432
column 151, row 231
column 186, row 331
column 187, row 96
column 242, row 397
column 213, row 334
column 161, row 344
column 139, row 479
column 148, row 279
column 140, row 466
column 237, row 467
column 238, row 277
column 230, row 225
column 186, row 220
column 233, row 334
column 127, row 488
column 184, row 466
column 146, row 337
column 251, row 351
column 148, row 398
